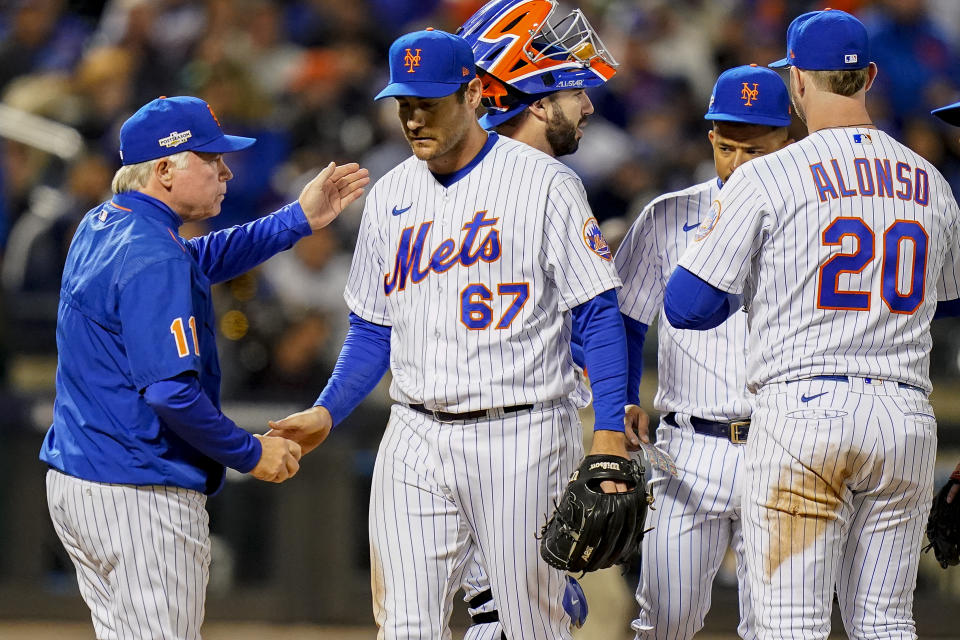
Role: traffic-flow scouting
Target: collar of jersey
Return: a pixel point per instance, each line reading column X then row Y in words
column 447, row 179
column 148, row 206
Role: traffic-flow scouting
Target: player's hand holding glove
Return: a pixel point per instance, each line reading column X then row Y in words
column 590, row 529
column 943, row 527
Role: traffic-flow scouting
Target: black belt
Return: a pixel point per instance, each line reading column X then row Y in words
column 736, row 431
column 446, row 416
column 902, row 385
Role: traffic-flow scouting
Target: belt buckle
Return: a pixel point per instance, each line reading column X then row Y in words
column 735, row 427
column 436, row 416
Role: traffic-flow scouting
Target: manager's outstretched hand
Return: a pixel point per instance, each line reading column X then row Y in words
column 279, row 461
column 334, row 188
column 307, row 428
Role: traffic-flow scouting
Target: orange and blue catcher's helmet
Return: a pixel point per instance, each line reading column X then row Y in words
column 524, row 52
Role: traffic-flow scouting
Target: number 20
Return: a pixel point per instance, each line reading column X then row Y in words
column 176, row 328
column 829, row 296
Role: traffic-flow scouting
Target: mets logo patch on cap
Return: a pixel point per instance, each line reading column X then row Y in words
column 594, row 239
column 709, row 222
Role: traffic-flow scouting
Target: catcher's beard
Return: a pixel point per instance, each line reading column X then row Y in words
column 562, row 134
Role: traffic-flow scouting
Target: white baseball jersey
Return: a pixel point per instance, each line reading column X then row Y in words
column 476, row 279
column 703, row 374
column 842, row 244
column 700, row 373
column 845, row 240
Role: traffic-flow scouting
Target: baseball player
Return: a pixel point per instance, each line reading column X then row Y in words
column 536, row 108
column 475, row 258
column 841, row 246
column 702, row 394
column 138, row 440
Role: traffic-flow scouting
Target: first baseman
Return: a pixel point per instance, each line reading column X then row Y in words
column 841, row 246
column 702, row 388
column 138, row 440
column 475, row 258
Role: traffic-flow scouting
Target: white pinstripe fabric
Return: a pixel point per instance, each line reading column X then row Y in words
column 768, row 243
column 443, row 491
column 701, row 373
column 696, row 517
column 837, row 491
column 541, row 208
column 142, row 555
column 475, row 582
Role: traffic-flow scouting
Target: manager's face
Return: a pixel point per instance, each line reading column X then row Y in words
column 197, row 191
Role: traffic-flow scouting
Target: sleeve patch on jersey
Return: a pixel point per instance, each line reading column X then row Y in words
column 709, row 222
column 594, row 239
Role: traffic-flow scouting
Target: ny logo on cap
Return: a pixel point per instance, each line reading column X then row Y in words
column 749, row 94
column 411, row 60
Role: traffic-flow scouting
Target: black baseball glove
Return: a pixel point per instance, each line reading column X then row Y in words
column 590, row 529
column 943, row 527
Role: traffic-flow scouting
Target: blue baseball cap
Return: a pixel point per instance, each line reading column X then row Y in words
column 166, row 126
column 750, row 94
column 828, row 40
column 428, row 64
column 949, row 114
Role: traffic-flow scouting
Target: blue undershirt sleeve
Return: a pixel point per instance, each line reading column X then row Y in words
column 636, row 335
column 693, row 303
column 182, row 406
column 600, row 326
column 363, row 360
column 947, row 309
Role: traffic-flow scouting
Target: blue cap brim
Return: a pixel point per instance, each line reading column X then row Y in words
column 949, row 114
column 418, row 89
column 772, row 121
column 493, row 119
column 782, row 63
column 225, row 144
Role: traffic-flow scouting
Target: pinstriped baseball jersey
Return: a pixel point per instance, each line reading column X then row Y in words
column 868, row 230
column 475, row 280
column 700, row 373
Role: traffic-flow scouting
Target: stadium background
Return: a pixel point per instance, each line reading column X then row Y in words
column 300, row 76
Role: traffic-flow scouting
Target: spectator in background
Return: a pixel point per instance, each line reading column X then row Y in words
column 41, row 37
column 913, row 53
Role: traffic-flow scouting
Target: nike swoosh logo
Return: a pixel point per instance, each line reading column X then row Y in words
column 397, row 212
column 691, row 227
column 806, row 398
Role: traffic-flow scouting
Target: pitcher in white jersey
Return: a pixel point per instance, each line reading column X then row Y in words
column 475, row 259
column 702, row 380
column 841, row 246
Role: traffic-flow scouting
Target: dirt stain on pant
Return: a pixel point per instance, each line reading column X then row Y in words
column 797, row 512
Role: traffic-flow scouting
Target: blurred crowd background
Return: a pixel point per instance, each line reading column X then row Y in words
column 300, row 75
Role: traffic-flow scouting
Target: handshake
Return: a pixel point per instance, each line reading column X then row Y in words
column 288, row 440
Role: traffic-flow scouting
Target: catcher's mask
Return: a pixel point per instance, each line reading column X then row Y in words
column 524, row 52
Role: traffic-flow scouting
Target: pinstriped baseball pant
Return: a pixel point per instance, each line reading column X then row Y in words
column 142, row 555
column 839, row 479
column 444, row 491
column 694, row 520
